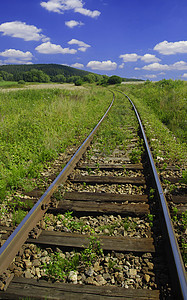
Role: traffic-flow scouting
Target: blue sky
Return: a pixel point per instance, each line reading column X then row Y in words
column 129, row 38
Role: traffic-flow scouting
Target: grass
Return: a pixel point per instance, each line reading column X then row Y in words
column 59, row 267
column 114, row 132
column 37, row 125
column 163, row 111
column 9, row 84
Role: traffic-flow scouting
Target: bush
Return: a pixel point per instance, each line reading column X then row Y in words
column 21, row 82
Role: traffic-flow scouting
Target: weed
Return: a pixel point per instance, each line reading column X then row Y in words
column 184, row 251
column 94, row 249
column 111, row 264
column 174, row 217
column 184, row 220
column 184, row 177
column 18, row 216
column 135, row 156
column 59, row 267
column 151, row 193
column 150, row 219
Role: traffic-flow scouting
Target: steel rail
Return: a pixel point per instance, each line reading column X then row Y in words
column 13, row 244
column 179, row 281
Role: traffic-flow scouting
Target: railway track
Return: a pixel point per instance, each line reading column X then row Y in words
column 106, row 234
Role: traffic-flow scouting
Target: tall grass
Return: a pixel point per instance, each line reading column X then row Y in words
column 168, row 100
column 36, row 125
column 163, row 110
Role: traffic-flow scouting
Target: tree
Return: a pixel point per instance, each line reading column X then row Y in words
column 114, row 80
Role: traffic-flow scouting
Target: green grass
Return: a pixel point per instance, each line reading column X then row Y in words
column 167, row 99
column 37, row 125
column 163, row 110
column 8, row 83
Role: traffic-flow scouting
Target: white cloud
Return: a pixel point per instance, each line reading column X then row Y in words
column 59, row 6
column 73, row 23
column 12, row 53
column 17, row 61
column 77, row 65
column 150, row 76
column 180, row 65
column 121, row 66
column 48, row 48
column 82, row 46
column 168, row 48
column 156, row 67
column 22, row 30
column 102, row 65
column 184, row 75
column 147, row 58
column 132, row 57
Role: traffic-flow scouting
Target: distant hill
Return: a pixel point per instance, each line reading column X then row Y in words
column 49, row 69
column 52, row 72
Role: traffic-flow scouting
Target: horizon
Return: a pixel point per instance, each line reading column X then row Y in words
column 129, row 39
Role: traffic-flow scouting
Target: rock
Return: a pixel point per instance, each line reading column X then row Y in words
column 97, row 267
column 42, row 224
column 150, row 265
column 100, row 280
column 37, row 272
column 17, row 273
column 83, row 277
column 106, row 276
column 73, row 277
column 36, row 263
column 147, row 278
column 28, row 264
column 132, row 272
column 89, row 271
column 28, row 274
column 89, row 280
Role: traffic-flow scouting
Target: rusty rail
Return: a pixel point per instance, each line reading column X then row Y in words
column 12, row 245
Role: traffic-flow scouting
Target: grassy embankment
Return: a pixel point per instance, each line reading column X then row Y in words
column 37, row 125
column 163, row 109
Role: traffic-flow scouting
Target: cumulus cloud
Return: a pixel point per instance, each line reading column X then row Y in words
column 77, row 65
column 12, row 53
column 22, row 30
column 73, row 23
column 132, row 57
column 16, row 56
column 180, row 65
column 82, row 46
column 49, row 48
column 147, row 58
column 60, row 6
column 102, row 65
column 151, row 76
column 121, row 66
column 184, row 75
column 168, row 48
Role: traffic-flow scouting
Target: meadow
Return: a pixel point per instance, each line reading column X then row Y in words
column 163, row 109
column 37, row 125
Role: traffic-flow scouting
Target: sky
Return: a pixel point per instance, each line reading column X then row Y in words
column 144, row 39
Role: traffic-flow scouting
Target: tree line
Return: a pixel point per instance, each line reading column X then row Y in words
column 54, row 73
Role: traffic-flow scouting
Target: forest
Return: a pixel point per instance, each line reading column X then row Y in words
column 54, row 73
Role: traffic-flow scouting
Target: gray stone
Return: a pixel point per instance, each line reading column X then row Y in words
column 73, row 277
column 89, row 271
column 28, row 274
